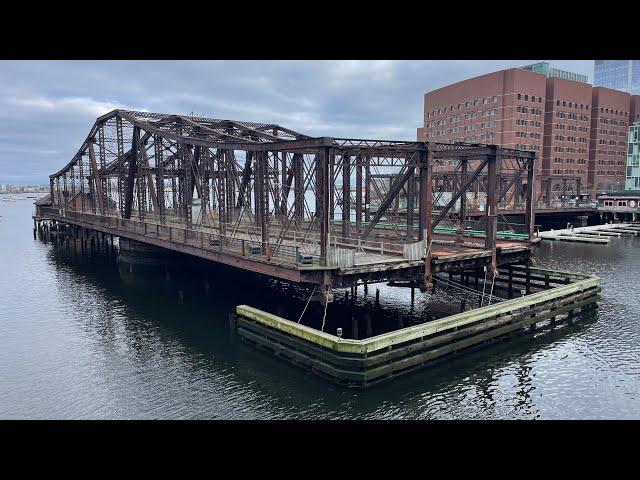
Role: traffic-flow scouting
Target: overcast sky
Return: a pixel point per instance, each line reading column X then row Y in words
column 48, row 107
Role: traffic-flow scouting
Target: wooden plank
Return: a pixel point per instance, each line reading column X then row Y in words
column 365, row 371
column 386, row 340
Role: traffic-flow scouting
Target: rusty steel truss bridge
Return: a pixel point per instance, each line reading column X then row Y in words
column 265, row 198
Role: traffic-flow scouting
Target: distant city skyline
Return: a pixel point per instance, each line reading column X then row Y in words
column 48, row 107
column 23, row 188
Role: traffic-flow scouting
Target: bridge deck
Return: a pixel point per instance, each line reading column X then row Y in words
column 375, row 259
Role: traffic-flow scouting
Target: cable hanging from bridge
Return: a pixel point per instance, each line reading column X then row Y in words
column 308, row 301
column 463, row 288
column 324, row 316
column 484, row 285
column 492, row 284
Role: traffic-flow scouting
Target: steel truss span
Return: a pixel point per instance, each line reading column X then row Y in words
column 327, row 211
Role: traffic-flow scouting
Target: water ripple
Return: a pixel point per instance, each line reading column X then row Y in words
column 80, row 339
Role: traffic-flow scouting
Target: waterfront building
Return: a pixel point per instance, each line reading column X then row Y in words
column 503, row 108
column 607, row 148
column 578, row 131
column 620, row 206
column 621, row 75
column 633, row 158
column 567, row 122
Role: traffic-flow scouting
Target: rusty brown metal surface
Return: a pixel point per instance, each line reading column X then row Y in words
column 314, row 209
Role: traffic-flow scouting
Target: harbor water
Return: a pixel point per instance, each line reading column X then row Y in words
column 86, row 337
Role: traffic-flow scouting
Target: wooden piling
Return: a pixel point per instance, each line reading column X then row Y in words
column 510, row 285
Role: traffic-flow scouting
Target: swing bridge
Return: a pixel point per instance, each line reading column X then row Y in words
column 321, row 211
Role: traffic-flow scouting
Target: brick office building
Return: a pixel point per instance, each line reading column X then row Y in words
column 610, row 117
column 504, row 108
column 565, row 151
column 519, row 108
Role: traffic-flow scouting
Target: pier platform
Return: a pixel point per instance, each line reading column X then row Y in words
column 362, row 363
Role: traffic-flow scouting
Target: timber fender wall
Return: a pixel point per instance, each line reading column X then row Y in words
column 361, row 363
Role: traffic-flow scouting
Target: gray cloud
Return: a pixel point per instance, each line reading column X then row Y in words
column 48, row 107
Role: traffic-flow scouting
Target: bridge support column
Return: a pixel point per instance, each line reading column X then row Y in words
column 530, row 212
column 367, row 189
column 464, row 163
column 425, row 211
column 491, row 214
column 323, row 200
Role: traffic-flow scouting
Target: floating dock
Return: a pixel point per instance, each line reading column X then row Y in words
column 591, row 234
column 361, row 363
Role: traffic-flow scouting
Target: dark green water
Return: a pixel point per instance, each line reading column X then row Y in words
column 81, row 338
